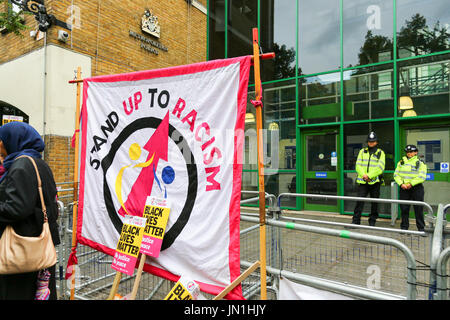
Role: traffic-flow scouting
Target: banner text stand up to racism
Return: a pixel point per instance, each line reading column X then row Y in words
column 145, row 133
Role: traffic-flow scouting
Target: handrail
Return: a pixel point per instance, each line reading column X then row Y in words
column 411, row 263
column 349, row 225
column 271, row 197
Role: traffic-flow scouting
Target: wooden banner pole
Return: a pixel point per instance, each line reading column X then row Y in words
column 75, row 179
column 115, row 285
column 262, row 196
column 138, row 277
column 137, row 280
column 238, row 280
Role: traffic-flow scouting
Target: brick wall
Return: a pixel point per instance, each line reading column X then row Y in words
column 13, row 46
column 101, row 30
column 59, row 155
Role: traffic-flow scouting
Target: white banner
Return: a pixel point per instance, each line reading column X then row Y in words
column 174, row 133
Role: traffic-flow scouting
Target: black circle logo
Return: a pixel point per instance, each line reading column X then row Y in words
column 191, row 168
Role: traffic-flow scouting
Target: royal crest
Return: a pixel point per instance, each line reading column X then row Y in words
column 150, row 24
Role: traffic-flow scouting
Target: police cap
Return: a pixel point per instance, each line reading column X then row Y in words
column 411, row 148
column 372, row 137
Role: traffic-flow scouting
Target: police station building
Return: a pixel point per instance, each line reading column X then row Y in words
column 343, row 68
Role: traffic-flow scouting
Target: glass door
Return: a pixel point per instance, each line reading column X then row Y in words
column 321, row 168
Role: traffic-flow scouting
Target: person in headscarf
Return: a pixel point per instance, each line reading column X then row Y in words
column 20, row 204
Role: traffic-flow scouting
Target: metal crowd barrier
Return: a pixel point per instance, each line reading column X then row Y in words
column 436, row 248
column 447, row 206
column 414, row 239
column 95, row 279
column 440, row 258
column 411, row 264
column 380, row 200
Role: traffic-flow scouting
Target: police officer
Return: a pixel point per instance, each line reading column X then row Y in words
column 369, row 167
column 410, row 175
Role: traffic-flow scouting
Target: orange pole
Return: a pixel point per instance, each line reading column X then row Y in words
column 262, row 197
column 75, row 179
column 265, row 56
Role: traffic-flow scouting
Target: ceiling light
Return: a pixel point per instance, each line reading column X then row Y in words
column 409, row 113
column 405, row 103
column 249, row 117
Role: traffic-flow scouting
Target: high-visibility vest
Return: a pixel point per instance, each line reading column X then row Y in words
column 370, row 164
column 411, row 171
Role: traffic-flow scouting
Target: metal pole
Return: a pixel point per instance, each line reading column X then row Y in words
column 441, row 274
column 436, row 248
column 394, row 207
column 381, row 200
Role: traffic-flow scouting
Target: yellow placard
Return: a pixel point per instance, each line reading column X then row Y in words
column 10, row 118
column 178, row 292
column 131, row 237
column 184, row 289
column 157, row 218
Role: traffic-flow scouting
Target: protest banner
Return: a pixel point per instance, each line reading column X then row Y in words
column 174, row 133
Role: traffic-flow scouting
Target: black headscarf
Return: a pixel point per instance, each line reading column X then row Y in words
column 19, row 138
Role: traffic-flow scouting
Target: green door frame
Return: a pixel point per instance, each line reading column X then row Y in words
column 311, row 174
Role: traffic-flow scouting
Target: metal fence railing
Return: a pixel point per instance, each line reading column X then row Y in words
column 410, row 267
column 440, row 258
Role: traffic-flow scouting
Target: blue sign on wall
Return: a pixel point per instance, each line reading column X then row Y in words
column 321, row 174
column 444, row 167
column 430, row 176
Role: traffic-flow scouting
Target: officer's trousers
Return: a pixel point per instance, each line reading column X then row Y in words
column 416, row 193
column 363, row 190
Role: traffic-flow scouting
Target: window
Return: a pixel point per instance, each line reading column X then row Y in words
column 320, row 98
column 368, row 93
column 424, row 86
column 278, row 128
column 242, row 18
column 279, row 120
column 318, row 36
column 278, row 21
column 216, row 29
column 422, row 27
column 367, row 31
